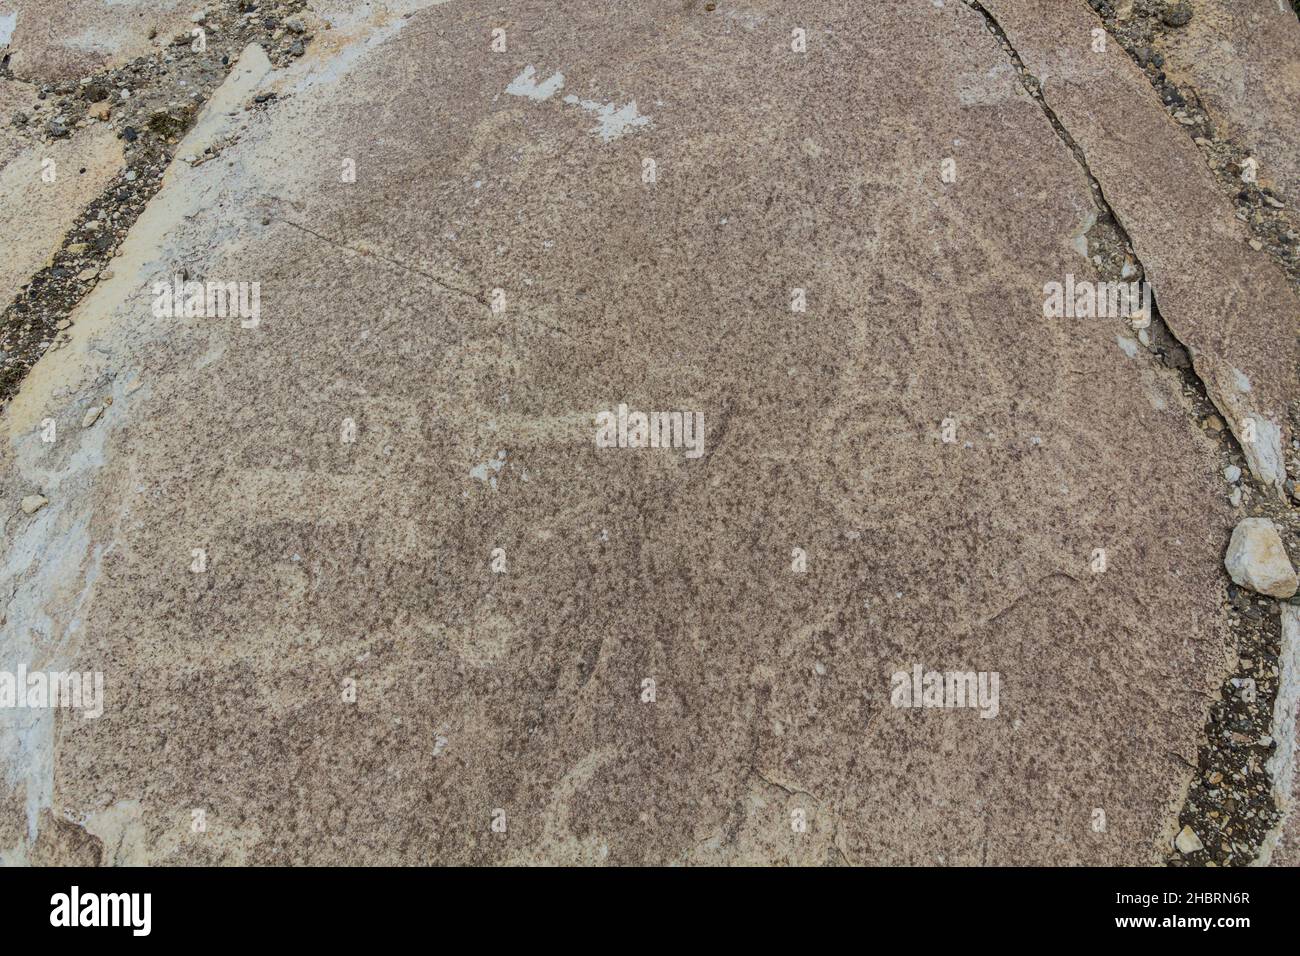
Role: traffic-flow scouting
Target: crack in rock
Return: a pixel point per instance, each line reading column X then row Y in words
column 1106, row 212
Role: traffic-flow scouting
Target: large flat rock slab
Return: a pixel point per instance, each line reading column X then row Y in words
column 917, row 471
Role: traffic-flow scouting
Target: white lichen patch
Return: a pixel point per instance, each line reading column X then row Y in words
column 526, row 85
column 489, row 469
column 614, row 120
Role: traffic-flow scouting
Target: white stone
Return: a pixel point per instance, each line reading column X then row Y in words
column 1257, row 560
column 34, row 503
column 1187, row 841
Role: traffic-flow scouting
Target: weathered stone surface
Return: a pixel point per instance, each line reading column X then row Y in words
column 62, row 843
column 349, row 679
column 56, row 41
column 1243, row 59
column 1229, row 304
column 1283, row 846
column 42, row 191
column 15, row 98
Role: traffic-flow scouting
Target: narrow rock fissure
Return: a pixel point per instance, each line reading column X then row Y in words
column 1171, row 351
column 1232, row 716
column 1273, row 225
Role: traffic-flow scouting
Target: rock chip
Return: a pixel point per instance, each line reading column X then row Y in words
column 1187, row 841
column 34, row 503
column 1177, row 14
column 1257, row 560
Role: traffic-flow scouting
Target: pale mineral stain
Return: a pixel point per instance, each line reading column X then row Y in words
column 488, row 470
column 525, row 85
column 614, row 120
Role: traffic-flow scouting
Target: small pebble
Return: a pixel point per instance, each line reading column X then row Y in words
column 1177, row 14
column 1187, row 841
